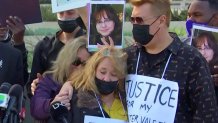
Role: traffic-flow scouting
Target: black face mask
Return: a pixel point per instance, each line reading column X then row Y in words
column 104, row 87
column 141, row 33
column 68, row 25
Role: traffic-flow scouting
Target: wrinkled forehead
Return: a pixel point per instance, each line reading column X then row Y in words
column 199, row 6
column 83, row 54
column 69, row 14
column 144, row 10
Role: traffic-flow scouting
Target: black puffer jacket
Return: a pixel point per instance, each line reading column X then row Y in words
column 85, row 103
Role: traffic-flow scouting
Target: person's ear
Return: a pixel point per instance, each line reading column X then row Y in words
column 163, row 20
column 214, row 21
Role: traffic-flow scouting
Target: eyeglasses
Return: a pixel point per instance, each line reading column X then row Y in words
column 139, row 20
column 206, row 47
column 78, row 62
column 106, row 21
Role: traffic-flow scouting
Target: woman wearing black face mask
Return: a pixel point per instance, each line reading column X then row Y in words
column 98, row 89
column 47, row 50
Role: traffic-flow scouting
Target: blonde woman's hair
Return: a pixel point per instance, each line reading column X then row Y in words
column 85, row 79
column 61, row 67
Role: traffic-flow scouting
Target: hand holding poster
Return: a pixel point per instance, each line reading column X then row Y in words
column 151, row 100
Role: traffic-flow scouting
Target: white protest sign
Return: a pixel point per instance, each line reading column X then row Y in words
column 94, row 119
column 151, row 100
column 63, row 5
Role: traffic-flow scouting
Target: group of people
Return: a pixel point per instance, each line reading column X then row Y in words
column 89, row 83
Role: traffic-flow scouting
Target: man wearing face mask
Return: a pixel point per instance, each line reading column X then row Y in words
column 47, row 50
column 204, row 12
column 161, row 55
column 15, row 37
column 11, row 62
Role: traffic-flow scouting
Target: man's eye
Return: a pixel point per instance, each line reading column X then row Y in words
column 197, row 15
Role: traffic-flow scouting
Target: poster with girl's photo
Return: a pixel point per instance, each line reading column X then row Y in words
column 205, row 39
column 106, row 24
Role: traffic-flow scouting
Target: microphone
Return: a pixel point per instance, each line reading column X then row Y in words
column 4, row 97
column 16, row 94
column 4, row 88
column 59, row 112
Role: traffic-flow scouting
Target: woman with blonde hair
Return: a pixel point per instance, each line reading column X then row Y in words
column 71, row 57
column 98, row 88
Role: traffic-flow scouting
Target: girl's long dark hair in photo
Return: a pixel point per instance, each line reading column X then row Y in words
column 99, row 12
column 213, row 44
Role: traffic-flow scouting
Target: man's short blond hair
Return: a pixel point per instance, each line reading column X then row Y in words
column 160, row 7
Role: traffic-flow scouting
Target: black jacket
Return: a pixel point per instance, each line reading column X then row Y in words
column 187, row 67
column 23, row 50
column 11, row 64
column 85, row 103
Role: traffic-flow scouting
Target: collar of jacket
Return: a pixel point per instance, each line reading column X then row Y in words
column 175, row 45
column 87, row 99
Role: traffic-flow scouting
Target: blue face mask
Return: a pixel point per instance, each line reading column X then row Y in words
column 189, row 25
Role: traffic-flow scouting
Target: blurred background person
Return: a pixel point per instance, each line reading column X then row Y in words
column 207, row 45
column 11, row 61
column 105, row 25
column 71, row 57
column 13, row 34
column 46, row 51
column 203, row 12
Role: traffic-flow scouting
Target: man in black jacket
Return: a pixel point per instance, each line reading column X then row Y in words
column 161, row 58
column 15, row 37
column 11, row 62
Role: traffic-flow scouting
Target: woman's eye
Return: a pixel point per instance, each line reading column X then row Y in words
column 103, row 72
column 114, row 75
